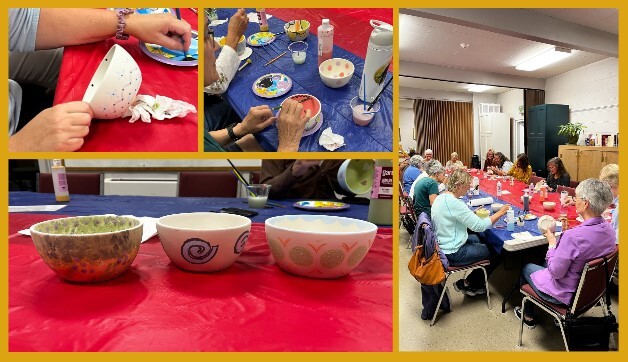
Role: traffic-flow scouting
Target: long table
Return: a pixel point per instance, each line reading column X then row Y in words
column 173, row 135
column 350, row 42
column 155, row 306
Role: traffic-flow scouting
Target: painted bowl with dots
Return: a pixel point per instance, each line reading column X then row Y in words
column 319, row 246
column 86, row 249
column 114, row 85
column 336, row 72
column 203, row 241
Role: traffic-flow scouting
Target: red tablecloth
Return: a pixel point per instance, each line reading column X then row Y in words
column 181, row 83
column 489, row 185
column 251, row 306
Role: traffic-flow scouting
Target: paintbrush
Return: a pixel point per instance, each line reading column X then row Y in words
column 301, row 101
column 185, row 52
column 240, row 178
column 380, row 93
column 194, row 11
column 275, row 58
column 248, row 61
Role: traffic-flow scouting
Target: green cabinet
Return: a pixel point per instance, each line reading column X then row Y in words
column 542, row 132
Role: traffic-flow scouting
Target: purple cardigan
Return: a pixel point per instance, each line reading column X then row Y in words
column 590, row 240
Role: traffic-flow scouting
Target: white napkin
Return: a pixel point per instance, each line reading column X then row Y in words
column 218, row 22
column 330, row 140
column 36, row 208
column 525, row 235
column 481, row 201
column 159, row 107
column 253, row 17
column 149, row 230
column 505, row 192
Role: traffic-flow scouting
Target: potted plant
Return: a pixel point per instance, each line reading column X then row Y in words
column 571, row 131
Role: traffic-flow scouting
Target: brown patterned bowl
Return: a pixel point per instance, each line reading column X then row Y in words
column 319, row 246
column 88, row 249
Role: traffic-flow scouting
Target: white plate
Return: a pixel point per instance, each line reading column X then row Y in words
column 529, row 217
column 247, row 53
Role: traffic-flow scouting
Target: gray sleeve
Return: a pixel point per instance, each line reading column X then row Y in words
column 23, row 24
column 15, row 105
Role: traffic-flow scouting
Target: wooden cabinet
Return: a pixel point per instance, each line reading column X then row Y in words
column 583, row 162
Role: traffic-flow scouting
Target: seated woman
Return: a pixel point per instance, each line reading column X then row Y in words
column 426, row 189
column 451, row 218
column 454, row 163
column 557, row 280
column 557, row 176
column 522, row 169
column 411, row 172
column 490, row 160
column 610, row 174
column 502, row 164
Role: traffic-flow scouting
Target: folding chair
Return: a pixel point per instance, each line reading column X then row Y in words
column 535, row 179
column 407, row 216
column 207, row 184
column 78, row 183
column 591, row 291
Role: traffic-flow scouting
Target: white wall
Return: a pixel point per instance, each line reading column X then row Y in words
column 592, row 93
column 510, row 102
column 406, row 124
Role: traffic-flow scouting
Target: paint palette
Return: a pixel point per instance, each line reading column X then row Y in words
column 173, row 57
column 316, row 205
column 272, row 85
column 154, row 11
column 261, row 39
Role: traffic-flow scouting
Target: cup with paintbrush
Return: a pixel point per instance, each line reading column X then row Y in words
column 364, row 112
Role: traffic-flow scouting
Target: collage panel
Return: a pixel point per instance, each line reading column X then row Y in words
column 303, row 79
column 174, row 255
column 79, row 82
column 509, row 191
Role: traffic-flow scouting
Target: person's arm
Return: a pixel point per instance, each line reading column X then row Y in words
column 226, row 65
column 565, row 180
column 258, row 118
column 283, row 174
column 507, row 166
column 560, row 257
column 468, row 218
column 290, row 125
column 527, row 174
column 59, row 27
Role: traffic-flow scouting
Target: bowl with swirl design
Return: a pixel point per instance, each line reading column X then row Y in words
column 203, row 241
column 319, row 246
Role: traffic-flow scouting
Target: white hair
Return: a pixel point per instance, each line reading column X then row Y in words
column 597, row 193
column 428, row 151
column 433, row 167
column 416, row 161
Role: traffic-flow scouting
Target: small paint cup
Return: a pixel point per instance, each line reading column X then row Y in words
column 299, row 51
column 361, row 116
column 258, row 195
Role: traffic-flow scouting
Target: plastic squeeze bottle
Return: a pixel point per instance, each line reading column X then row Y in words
column 60, row 181
column 261, row 16
column 499, row 188
column 325, row 41
column 380, row 206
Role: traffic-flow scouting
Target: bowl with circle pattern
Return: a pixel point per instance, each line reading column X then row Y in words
column 336, row 72
column 203, row 241
column 87, row 249
column 319, row 246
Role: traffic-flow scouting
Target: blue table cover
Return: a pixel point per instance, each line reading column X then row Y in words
column 337, row 114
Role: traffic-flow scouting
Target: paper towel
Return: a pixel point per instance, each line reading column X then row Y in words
column 330, row 140
column 481, row 201
column 159, row 107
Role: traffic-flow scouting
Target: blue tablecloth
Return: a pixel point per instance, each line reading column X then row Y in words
column 496, row 236
column 305, row 79
column 155, row 206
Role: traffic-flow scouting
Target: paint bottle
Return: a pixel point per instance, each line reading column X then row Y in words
column 476, row 186
column 60, row 181
column 526, row 201
column 261, row 16
column 510, row 220
column 380, row 206
column 499, row 188
column 325, row 41
column 378, row 56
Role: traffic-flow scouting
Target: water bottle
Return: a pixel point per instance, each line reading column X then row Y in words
column 380, row 206
column 325, row 41
column 378, row 56
column 261, row 16
column 476, row 186
column 499, row 188
column 510, row 220
column 526, row 202
column 531, row 187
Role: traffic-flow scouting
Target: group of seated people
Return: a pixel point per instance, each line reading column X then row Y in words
column 458, row 229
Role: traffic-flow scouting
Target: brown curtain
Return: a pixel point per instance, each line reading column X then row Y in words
column 531, row 98
column 444, row 127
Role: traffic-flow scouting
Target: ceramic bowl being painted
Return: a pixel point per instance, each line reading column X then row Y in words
column 336, row 72
column 356, row 176
column 203, row 241
column 319, row 246
column 314, row 105
column 297, row 30
column 88, row 249
column 549, row 205
column 240, row 48
column 496, row 207
column 114, row 85
column 546, row 222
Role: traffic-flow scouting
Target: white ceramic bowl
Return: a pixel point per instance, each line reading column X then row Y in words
column 546, row 222
column 291, row 30
column 496, row 207
column 319, row 246
column 203, row 241
column 549, row 205
column 356, row 176
column 336, row 72
column 114, row 85
column 313, row 104
column 87, row 249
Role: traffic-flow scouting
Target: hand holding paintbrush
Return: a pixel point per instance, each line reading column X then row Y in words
column 300, row 101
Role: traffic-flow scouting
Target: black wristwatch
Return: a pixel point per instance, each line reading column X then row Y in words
column 232, row 134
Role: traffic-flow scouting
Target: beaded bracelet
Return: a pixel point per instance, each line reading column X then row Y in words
column 121, row 13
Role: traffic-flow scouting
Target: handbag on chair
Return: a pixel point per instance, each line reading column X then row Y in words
column 427, row 271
